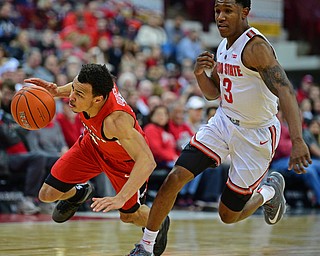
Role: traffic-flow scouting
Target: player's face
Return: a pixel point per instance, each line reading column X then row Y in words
column 229, row 18
column 81, row 98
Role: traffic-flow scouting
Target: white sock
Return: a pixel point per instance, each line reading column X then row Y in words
column 148, row 240
column 267, row 193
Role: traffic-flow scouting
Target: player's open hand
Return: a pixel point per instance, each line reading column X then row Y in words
column 300, row 157
column 106, row 204
column 51, row 87
column 204, row 62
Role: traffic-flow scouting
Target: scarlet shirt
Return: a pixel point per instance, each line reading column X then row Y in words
column 71, row 130
column 162, row 143
column 110, row 147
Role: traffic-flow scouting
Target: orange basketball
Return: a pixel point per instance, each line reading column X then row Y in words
column 33, row 107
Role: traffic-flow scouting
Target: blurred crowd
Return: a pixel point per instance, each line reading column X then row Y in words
column 152, row 60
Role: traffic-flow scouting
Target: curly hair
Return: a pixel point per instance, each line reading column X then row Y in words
column 244, row 3
column 99, row 77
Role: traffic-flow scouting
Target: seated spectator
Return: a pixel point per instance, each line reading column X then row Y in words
column 152, row 33
column 184, row 130
column 48, row 141
column 7, row 63
column 189, row 47
column 304, row 88
column 178, row 127
column 70, row 123
column 281, row 160
column 161, row 141
column 31, row 165
column 195, row 107
column 8, row 30
column 310, row 134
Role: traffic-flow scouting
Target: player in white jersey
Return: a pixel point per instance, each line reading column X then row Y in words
column 250, row 81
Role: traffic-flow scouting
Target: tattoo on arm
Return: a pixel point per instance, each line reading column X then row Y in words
column 275, row 77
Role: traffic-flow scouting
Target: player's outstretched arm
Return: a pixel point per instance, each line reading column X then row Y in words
column 121, row 126
column 259, row 56
column 54, row 89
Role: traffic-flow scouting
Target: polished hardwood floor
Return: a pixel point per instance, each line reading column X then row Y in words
column 191, row 233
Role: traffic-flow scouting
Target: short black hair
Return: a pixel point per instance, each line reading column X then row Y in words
column 244, row 3
column 99, row 77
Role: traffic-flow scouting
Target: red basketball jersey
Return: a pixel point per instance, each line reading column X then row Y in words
column 94, row 126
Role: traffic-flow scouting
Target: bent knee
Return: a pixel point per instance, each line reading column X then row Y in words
column 127, row 218
column 228, row 218
column 48, row 194
column 179, row 177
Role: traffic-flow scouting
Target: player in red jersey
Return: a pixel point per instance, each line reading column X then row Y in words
column 113, row 143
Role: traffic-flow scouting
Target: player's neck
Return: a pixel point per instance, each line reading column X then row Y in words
column 233, row 38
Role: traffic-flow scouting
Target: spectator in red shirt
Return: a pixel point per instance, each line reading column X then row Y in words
column 178, row 127
column 70, row 123
column 303, row 90
column 161, row 141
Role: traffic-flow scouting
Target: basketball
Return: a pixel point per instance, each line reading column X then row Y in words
column 33, row 107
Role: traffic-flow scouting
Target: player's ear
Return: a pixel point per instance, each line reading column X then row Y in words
column 245, row 12
column 98, row 99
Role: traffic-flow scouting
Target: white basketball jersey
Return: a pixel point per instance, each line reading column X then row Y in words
column 244, row 95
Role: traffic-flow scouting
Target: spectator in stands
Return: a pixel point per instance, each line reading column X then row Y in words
column 7, row 63
column 304, row 88
column 31, row 165
column 115, row 53
column 316, row 108
column 161, row 141
column 7, row 92
column 70, row 123
column 281, row 159
column 306, row 110
column 195, row 107
column 152, row 33
column 20, row 45
column 48, row 43
column 33, row 62
column 169, row 98
column 189, row 47
column 180, row 130
column 49, row 70
column 8, row 29
column 132, row 99
column 48, row 141
column 145, row 89
column 310, row 134
column 175, row 33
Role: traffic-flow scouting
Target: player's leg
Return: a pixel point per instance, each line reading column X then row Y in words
column 191, row 162
column 250, row 163
column 71, row 197
column 137, row 213
column 235, row 207
column 67, row 181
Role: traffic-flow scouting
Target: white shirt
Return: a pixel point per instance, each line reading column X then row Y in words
column 244, row 95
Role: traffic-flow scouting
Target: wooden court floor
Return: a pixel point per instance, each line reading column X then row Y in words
column 191, row 233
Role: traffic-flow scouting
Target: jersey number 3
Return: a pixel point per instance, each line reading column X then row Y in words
column 227, row 84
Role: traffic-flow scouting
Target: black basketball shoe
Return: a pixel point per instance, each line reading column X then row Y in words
column 161, row 240
column 65, row 209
